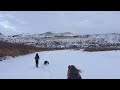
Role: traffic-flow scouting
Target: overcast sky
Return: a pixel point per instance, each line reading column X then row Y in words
column 82, row 22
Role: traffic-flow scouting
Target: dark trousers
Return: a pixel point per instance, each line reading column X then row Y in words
column 36, row 63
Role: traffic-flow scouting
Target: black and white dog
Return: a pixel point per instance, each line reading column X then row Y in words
column 46, row 62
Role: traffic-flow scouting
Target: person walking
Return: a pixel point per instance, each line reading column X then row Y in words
column 37, row 59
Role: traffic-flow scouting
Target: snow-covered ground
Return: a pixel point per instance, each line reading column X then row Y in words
column 94, row 65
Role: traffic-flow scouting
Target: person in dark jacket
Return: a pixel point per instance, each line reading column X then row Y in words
column 37, row 59
column 73, row 72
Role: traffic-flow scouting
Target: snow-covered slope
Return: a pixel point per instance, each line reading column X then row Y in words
column 2, row 37
column 65, row 40
column 94, row 65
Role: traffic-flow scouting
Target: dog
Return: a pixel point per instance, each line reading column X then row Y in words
column 73, row 72
column 46, row 62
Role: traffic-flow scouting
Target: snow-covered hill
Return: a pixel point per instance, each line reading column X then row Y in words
column 94, row 65
column 65, row 40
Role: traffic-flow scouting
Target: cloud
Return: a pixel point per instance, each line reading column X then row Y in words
column 7, row 25
column 10, row 24
column 82, row 22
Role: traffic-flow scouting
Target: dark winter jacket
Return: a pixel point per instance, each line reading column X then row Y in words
column 37, row 57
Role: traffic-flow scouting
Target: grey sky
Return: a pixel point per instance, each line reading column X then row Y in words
column 82, row 22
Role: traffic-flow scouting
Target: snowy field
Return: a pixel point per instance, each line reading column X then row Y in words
column 94, row 65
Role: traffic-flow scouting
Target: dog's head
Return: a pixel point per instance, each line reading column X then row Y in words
column 73, row 72
column 73, row 68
